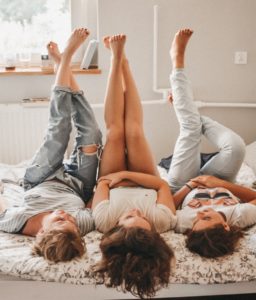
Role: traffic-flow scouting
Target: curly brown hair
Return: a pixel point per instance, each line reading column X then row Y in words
column 213, row 242
column 55, row 245
column 135, row 259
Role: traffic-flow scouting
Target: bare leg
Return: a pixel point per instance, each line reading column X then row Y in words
column 55, row 54
column 140, row 158
column 113, row 158
column 106, row 41
column 63, row 76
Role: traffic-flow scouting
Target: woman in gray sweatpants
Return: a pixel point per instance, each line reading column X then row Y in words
column 212, row 208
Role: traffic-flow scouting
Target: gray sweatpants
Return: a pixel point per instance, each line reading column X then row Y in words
column 186, row 157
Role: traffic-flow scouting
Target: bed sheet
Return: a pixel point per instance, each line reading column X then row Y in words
column 16, row 258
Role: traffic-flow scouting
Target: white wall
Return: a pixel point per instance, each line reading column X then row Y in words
column 221, row 27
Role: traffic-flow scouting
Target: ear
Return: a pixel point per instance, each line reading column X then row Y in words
column 226, row 226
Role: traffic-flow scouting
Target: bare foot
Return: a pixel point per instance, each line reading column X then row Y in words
column 106, row 41
column 75, row 41
column 178, row 47
column 116, row 44
column 54, row 52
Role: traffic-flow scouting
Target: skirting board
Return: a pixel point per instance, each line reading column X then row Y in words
column 14, row 289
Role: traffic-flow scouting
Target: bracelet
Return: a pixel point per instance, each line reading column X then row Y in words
column 189, row 186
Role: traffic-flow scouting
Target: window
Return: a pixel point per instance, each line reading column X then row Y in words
column 27, row 26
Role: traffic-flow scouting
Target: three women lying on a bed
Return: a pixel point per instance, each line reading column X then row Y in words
column 54, row 203
column 133, row 222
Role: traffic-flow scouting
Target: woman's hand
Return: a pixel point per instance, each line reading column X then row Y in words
column 194, row 203
column 113, row 178
column 208, row 181
column 193, row 184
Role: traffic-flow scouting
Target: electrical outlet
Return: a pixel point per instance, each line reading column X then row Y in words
column 241, row 57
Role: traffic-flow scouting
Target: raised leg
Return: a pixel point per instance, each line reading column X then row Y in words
column 139, row 155
column 113, row 157
column 84, row 159
column 50, row 155
column 186, row 157
column 228, row 161
column 63, row 77
column 54, row 53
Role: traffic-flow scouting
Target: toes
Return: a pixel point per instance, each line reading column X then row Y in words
column 81, row 32
column 106, row 38
column 115, row 38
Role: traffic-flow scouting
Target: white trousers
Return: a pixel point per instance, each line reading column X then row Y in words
column 186, row 157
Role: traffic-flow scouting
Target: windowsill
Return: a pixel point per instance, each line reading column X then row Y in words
column 39, row 71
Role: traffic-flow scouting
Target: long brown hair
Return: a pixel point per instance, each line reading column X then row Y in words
column 213, row 242
column 135, row 259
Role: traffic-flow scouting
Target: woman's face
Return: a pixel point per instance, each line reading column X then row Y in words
column 134, row 218
column 59, row 220
column 209, row 218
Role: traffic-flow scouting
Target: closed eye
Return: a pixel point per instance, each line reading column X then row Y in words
column 202, row 195
column 223, row 194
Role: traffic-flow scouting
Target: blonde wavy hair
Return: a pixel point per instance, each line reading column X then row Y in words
column 56, row 246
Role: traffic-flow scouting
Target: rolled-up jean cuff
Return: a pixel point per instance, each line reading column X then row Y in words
column 57, row 88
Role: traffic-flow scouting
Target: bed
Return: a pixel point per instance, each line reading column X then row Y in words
column 22, row 274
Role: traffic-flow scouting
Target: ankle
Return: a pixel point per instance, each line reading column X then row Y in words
column 177, row 60
column 116, row 60
column 178, row 65
column 125, row 61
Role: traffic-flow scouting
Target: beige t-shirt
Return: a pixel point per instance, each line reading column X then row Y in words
column 123, row 199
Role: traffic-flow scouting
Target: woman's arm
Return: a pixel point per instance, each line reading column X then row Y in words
column 142, row 179
column 101, row 193
column 243, row 193
column 182, row 193
column 164, row 195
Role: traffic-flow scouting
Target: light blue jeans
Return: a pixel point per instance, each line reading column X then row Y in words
column 47, row 164
column 186, row 157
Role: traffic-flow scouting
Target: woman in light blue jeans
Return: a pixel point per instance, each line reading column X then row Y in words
column 57, row 193
column 212, row 213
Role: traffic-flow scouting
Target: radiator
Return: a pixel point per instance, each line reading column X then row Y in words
column 22, row 130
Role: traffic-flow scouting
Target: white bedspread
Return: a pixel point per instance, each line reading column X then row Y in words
column 16, row 260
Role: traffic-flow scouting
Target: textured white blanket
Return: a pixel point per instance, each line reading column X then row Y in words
column 16, row 260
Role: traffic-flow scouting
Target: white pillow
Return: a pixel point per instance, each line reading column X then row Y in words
column 250, row 156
